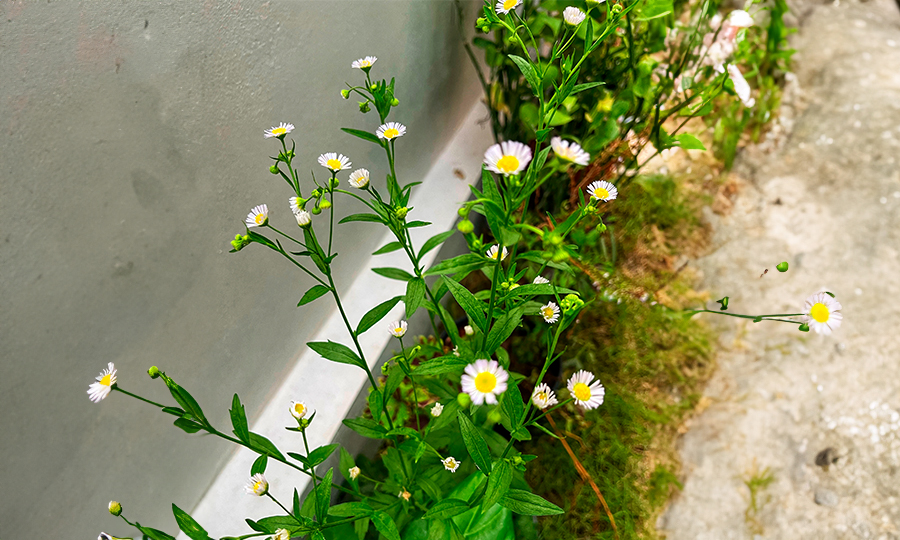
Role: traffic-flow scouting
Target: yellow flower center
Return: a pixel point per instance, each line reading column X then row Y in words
column 390, row 133
column 300, row 409
column 601, row 193
column 258, row 486
column 106, row 380
column 259, row 219
column 334, row 164
column 541, row 396
column 582, row 391
column 485, row 382
column 819, row 312
column 279, row 131
column 398, row 330
column 548, row 312
column 509, row 4
column 508, row 164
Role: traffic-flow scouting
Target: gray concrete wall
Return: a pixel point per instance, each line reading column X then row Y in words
column 131, row 148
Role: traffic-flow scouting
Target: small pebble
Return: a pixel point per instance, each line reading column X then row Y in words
column 883, row 200
column 826, row 497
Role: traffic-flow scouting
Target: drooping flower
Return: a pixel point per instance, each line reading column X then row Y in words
column 299, row 409
column 437, row 410
column 505, row 6
column 397, row 328
column 569, row 151
column 741, row 88
column 354, row 472
column 98, row 391
column 573, row 15
column 280, row 131
column 364, row 63
column 335, row 162
column 494, row 250
column 258, row 217
column 359, row 178
column 543, row 397
column 450, row 463
column 282, row 534
column 296, row 204
column 823, row 313
column 258, row 485
column 483, row 381
column 587, row 392
column 602, row 191
column 507, row 158
column 540, row 280
column 550, row 312
column 391, row 130
column 304, row 218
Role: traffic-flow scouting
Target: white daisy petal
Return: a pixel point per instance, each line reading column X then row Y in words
column 741, row 87
column 98, row 391
column 450, row 463
column 543, row 397
column 397, row 328
column 484, row 380
column 601, row 190
column 573, row 15
column 391, row 130
column 505, row 6
column 550, row 312
column 823, row 313
column 304, row 218
column 540, row 280
column 364, row 63
column 587, row 392
column 258, row 217
column 258, row 485
column 740, row 19
column 334, row 161
column 508, row 158
column 280, row 130
column 569, row 151
column 298, row 409
column 494, row 250
column 359, row 178
column 354, row 472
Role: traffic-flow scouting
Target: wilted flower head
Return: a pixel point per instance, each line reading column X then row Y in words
column 405, row 495
column 437, row 410
column 304, row 218
column 741, row 88
column 569, row 151
column 450, row 463
column 298, row 409
column 354, row 472
column 282, row 534
column 540, row 280
column 543, row 397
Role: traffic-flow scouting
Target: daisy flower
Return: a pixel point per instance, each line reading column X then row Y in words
column 364, row 63
column 602, row 191
column 569, row 151
column 740, row 19
column 282, row 534
column 823, row 313
column 299, row 409
column 507, row 158
column 335, row 162
column 304, row 218
column 359, row 178
column 397, row 328
column 391, row 130
column 258, row 217
column 543, row 397
column 741, row 88
column 573, row 15
column 505, row 6
column 450, row 463
column 492, row 253
column 540, row 280
column 280, row 131
column 257, row 485
column 354, row 472
column 468, row 330
column 99, row 390
column 484, row 380
column 296, row 204
column 104, row 536
column 437, row 410
column 587, row 392
column 550, row 313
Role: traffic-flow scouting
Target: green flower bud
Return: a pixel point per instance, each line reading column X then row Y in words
column 401, row 212
column 274, row 169
column 517, row 460
column 315, row 194
column 465, row 226
column 560, row 255
column 373, row 87
column 334, row 182
column 115, row 508
column 463, row 399
column 804, row 328
column 395, row 102
column 463, row 211
column 345, row 93
column 494, row 416
column 325, row 204
column 316, row 210
column 616, row 9
column 153, row 372
column 782, row 267
column 364, row 107
column 601, row 228
column 724, row 303
column 571, row 303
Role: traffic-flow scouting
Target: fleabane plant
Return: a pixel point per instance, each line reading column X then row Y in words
column 446, row 413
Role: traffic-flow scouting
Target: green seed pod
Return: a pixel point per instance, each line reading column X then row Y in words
column 395, row 102
column 345, row 93
column 274, row 169
column 316, row 210
column 325, row 204
column 465, row 226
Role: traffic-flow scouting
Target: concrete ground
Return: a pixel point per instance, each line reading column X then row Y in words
column 826, row 198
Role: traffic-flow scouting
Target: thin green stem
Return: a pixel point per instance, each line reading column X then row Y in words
column 413, row 381
column 145, row 400
column 288, row 512
column 313, row 471
column 289, row 237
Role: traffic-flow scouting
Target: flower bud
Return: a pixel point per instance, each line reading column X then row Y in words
column 115, row 508
column 463, row 211
column 274, row 169
column 364, row 107
column 153, row 372
column 782, row 267
column 316, row 211
column 804, row 328
column 395, row 102
column 463, row 399
column 345, row 93
column 373, row 87
column 401, row 212
column 334, row 182
column 324, row 204
column 616, row 9
column 494, row 416
column 571, row 303
column 465, row 226
column 316, row 193
column 437, row 410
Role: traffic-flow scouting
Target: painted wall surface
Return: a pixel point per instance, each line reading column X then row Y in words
column 131, row 149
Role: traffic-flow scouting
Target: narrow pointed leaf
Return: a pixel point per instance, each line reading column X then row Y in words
column 374, row 315
column 478, row 449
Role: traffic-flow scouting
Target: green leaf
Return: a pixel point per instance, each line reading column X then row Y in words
column 320, row 454
column 375, row 314
column 188, row 426
column 689, row 142
column 259, row 465
column 336, row 352
column 414, row 224
column 513, row 405
column 187, row 524
column 366, row 427
column 361, row 217
column 393, row 381
column 440, row 365
column 585, row 86
column 323, row 495
column 296, row 505
column 155, row 534
column 467, row 262
column 273, row 523
column 393, row 273
column 239, row 419
column 471, row 305
column 446, row 509
column 350, row 509
column 434, row 242
column 346, row 462
column 528, row 71
column 533, row 289
column 415, row 295
column 314, row 292
column 264, row 446
column 364, row 135
column 187, row 401
column 503, row 328
column 385, row 525
column 474, row 442
column 387, row 248
column 498, row 484
column 528, row 504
